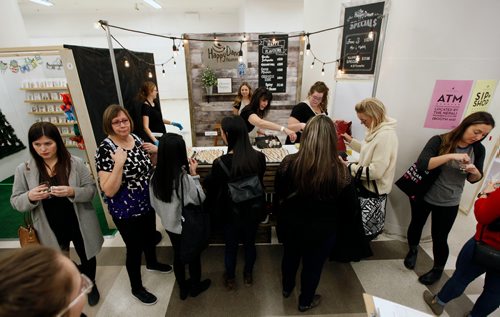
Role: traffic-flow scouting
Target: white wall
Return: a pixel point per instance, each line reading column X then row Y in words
column 428, row 40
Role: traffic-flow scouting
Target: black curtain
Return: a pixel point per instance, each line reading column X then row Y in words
column 98, row 84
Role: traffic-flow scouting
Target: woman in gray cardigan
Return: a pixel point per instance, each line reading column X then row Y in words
column 57, row 189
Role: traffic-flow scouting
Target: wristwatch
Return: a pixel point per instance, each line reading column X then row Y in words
column 482, row 194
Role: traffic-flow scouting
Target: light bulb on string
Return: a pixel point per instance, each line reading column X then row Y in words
column 308, row 46
column 370, row 34
column 175, row 63
column 150, row 74
column 341, row 71
column 244, row 37
column 240, row 53
column 174, row 48
column 303, row 37
column 312, row 65
column 215, row 39
column 163, row 71
column 323, row 70
column 126, row 63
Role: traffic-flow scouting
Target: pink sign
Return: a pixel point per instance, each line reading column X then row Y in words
column 448, row 103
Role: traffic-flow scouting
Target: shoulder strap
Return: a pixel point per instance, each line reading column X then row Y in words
column 224, row 168
column 108, row 140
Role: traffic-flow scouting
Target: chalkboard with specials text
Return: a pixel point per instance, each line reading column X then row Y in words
column 360, row 37
column 273, row 61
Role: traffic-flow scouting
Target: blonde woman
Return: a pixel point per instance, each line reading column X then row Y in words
column 242, row 99
column 378, row 152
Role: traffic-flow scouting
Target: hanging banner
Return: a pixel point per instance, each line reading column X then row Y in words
column 220, row 55
column 447, row 103
column 273, row 61
column 481, row 96
column 360, row 38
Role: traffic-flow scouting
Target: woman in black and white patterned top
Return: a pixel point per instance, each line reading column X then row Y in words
column 124, row 168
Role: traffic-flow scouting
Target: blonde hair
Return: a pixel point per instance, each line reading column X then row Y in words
column 373, row 108
column 239, row 97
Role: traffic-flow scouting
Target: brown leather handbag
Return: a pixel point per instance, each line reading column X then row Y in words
column 27, row 233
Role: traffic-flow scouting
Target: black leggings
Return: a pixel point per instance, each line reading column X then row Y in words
column 442, row 221
column 138, row 235
column 179, row 267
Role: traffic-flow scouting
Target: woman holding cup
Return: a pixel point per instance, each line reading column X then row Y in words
column 459, row 156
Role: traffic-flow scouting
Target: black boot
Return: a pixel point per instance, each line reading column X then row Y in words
column 431, row 277
column 411, row 258
column 200, row 287
column 94, row 296
column 184, row 289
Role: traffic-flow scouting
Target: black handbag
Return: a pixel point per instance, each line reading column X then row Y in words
column 416, row 182
column 372, row 205
column 486, row 255
column 195, row 229
column 267, row 141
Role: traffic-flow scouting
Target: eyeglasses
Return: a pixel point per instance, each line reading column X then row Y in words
column 119, row 123
column 85, row 288
column 317, row 98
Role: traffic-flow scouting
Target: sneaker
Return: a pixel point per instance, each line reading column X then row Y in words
column 159, row 267
column 144, row 296
column 315, row 302
column 248, row 279
column 431, row 277
column 199, row 288
column 431, row 300
column 94, row 296
column 229, row 283
column 411, row 258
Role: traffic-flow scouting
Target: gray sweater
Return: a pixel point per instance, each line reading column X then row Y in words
column 171, row 213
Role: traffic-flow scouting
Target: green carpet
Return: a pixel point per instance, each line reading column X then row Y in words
column 11, row 219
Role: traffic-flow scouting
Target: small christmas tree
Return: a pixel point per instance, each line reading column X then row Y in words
column 9, row 142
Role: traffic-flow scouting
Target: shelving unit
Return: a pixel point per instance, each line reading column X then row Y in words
column 44, row 96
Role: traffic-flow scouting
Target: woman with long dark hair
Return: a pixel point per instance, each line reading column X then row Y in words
column 175, row 175
column 57, row 189
column 458, row 155
column 256, row 111
column 241, row 160
column 314, row 189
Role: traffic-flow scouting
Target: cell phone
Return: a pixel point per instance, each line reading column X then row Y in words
column 193, row 155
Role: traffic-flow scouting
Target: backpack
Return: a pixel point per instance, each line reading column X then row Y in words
column 246, row 193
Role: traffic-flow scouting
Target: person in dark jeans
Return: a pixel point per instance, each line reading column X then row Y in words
column 124, row 167
column 467, row 270
column 458, row 155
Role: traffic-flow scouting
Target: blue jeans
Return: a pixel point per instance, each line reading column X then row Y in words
column 466, row 272
column 232, row 234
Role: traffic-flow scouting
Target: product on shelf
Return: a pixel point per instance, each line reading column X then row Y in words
column 274, row 155
column 205, row 156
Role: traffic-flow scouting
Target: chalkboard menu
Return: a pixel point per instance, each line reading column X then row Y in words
column 360, row 37
column 273, row 61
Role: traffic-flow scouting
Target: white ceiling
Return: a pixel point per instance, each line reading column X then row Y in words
column 129, row 6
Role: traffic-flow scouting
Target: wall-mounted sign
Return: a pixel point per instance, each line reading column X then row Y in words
column 448, row 103
column 481, row 96
column 360, row 38
column 220, row 55
column 224, row 85
column 273, row 61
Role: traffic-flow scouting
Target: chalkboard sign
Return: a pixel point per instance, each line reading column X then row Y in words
column 360, row 37
column 273, row 61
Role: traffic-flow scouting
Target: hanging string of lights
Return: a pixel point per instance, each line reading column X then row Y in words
column 183, row 39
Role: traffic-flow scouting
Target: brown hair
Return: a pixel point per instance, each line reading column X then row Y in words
column 239, row 97
column 317, row 170
column 146, row 88
column 33, row 283
column 322, row 88
column 63, row 165
column 450, row 140
column 112, row 112
column 373, row 108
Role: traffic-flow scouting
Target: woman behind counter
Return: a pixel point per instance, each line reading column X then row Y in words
column 124, row 168
column 315, row 104
column 242, row 99
column 314, row 191
column 57, row 189
column 152, row 118
column 258, row 108
column 241, row 160
column 169, row 181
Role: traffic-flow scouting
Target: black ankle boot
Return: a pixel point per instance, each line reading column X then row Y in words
column 431, row 277
column 94, row 296
column 411, row 258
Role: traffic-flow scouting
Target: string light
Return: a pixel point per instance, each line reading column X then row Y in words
column 244, row 36
column 126, row 63
column 340, row 70
column 312, row 65
column 174, row 48
column 150, row 74
column 215, row 39
column 163, row 71
column 175, row 63
column 323, row 70
column 240, row 53
column 370, row 34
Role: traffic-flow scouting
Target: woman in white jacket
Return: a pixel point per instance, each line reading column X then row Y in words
column 379, row 151
column 169, row 181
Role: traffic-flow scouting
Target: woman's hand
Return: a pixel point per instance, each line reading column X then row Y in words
column 346, row 137
column 472, row 169
column 292, row 135
column 149, row 147
column 62, row 191
column 39, row 193
column 193, row 165
column 119, row 156
column 463, row 158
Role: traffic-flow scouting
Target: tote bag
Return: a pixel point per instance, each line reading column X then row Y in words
column 416, row 182
column 372, row 205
